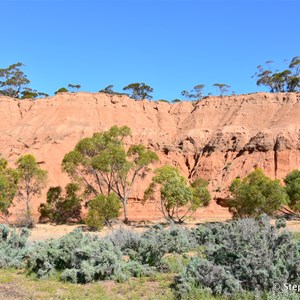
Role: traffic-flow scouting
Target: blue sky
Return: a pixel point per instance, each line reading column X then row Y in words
column 170, row 45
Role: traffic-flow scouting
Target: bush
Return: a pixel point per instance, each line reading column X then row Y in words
column 103, row 210
column 13, row 247
column 80, row 257
column 179, row 201
column 136, row 269
column 61, row 90
column 250, row 252
column 157, row 241
column 204, row 274
column 61, row 209
column 127, row 240
column 256, row 194
column 292, row 186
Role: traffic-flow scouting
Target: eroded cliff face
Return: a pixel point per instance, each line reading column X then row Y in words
column 218, row 138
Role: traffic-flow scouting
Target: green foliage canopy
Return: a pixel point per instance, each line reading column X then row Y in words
column 280, row 81
column 178, row 200
column 103, row 210
column 102, row 165
column 292, row 187
column 61, row 90
column 32, row 179
column 8, row 188
column 62, row 208
column 29, row 93
column 139, row 91
column 222, row 87
column 256, row 194
column 195, row 94
column 74, row 87
column 12, row 80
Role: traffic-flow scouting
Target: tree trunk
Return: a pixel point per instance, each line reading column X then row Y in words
column 31, row 223
column 126, row 220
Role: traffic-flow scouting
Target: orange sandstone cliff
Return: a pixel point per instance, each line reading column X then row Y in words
column 218, row 138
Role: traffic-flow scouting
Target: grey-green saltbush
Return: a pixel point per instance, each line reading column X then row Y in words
column 80, row 257
column 127, row 240
column 13, row 247
column 134, row 268
column 157, row 241
column 250, row 255
column 205, row 274
column 83, row 258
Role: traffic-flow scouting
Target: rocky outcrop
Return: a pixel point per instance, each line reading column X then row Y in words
column 218, row 138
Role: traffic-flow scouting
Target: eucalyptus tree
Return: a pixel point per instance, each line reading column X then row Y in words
column 32, row 179
column 74, row 87
column 108, row 89
column 223, row 88
column 139, row 91
column 195, row 94
column 292, row 187
column 256, row 194
column 8, row 188
column 287, row 80
column 13, row 80
column 178, row 200
column 102, row 165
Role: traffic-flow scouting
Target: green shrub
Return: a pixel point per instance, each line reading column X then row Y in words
column 61, row 209
column 250, row 252
column 179, row 201
column 13, row 247
column 61, row 90
column 8, row 188
column 256, row 194
column 292, row 186
column 103, row 210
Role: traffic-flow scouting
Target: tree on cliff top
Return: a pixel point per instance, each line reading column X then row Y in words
column 74, row 87
column 195, row 94
column 103, row 166
column 12, row 80
column 280, row 81
column 139, row 91
column 109, row 90
column 61, row 90
column 222, row 87
column 13, row 83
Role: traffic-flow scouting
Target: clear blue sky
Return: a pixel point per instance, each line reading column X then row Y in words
column 170, row 45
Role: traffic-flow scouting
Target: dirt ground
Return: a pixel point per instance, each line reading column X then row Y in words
column 46, row 231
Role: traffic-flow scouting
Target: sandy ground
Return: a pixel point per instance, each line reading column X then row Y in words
column 47, row 231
